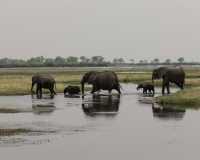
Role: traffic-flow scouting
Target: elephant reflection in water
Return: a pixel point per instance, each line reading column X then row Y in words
column 43, row 105
column 104, row 105
column 167, row 112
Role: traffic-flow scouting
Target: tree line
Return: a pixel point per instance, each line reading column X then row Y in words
column 82, row 61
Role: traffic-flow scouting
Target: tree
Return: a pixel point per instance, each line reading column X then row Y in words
column 115, row 60
column 120, row 60
column 97, row 59
column 87, row 60
column 72, row 59
column 132, row 60
column 59, row 60
column 141, row 61
column 83, row 58
column 181, row 59
column 145, row 61
column 156, row 60
column 168, row 61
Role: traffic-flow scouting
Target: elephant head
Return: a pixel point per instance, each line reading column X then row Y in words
column 34, row 80
column 67, row 89
column 88, row 77
column 158, row 73
column 141, row 86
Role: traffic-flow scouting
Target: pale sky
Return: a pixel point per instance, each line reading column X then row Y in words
column 128, row 29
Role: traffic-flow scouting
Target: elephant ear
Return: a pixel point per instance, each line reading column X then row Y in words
column 161, row 72
column 92, row 77
column 35, row 78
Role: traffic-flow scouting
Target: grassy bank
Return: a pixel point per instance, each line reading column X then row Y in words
column 18, row 81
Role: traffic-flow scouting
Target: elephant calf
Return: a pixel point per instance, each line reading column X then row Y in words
column 72, row 90
column 146, row 86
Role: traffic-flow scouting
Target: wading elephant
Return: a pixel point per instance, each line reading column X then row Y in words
column 46, row 82
column 107, row 80
column 146, row 86
column 173, row 74
column 72, row 90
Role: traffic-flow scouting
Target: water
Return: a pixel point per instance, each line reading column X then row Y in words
column 99, row 127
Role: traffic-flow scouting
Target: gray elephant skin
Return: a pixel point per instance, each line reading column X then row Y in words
column 72, row 90
column 173, row 74
column 146, row 86
column 107, row 80
column 46, row 82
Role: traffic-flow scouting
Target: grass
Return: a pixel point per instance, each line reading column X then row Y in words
column 11, row 132
column 17, row 81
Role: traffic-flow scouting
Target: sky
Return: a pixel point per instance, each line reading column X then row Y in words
column 128, row 29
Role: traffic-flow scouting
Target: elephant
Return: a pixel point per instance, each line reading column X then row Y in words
column 72, row 90
column 107, row 80
column 42, row 81
column 174, row 74
column 146, row 86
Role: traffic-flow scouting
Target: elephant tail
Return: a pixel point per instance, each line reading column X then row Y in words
column 120, row 86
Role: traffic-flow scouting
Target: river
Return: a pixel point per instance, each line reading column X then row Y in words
column 99, row 126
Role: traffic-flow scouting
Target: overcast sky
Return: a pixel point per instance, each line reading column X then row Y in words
column 128, row 29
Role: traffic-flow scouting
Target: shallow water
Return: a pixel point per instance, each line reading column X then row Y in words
column 99, row 126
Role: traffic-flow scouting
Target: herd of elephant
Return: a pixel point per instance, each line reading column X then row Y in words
column 108, row 80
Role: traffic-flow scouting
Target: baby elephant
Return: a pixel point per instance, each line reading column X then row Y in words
column 146, row 86
column 72, row 90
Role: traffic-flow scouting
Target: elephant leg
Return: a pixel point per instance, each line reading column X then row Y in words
column 116, row 87
column 52, row 92
column 168, row 90
column 40, row 91
column 179, row 85
column 163, row 88
column 94, row 89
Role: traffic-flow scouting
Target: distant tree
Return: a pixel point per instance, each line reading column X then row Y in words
column 156, row 60
column 97, row 59
column 181, row 59
column 100, row 59
column 94, row 58
column 83, row 58
column 87, row 60
column 168, row 61
column 59, row 60
column 115, row 60
column 145, row 61
column 141, row 61
column 120, row 60
column 132, row 60
column 49, row 62
column 72, row 59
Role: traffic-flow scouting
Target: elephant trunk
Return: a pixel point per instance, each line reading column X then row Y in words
column 137, row 88
column 32, row 87
column 152, row 79
column 82, row 87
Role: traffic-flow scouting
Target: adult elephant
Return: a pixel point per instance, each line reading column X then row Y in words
column 46, row 82
column 107, row 80
column 173, row 74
